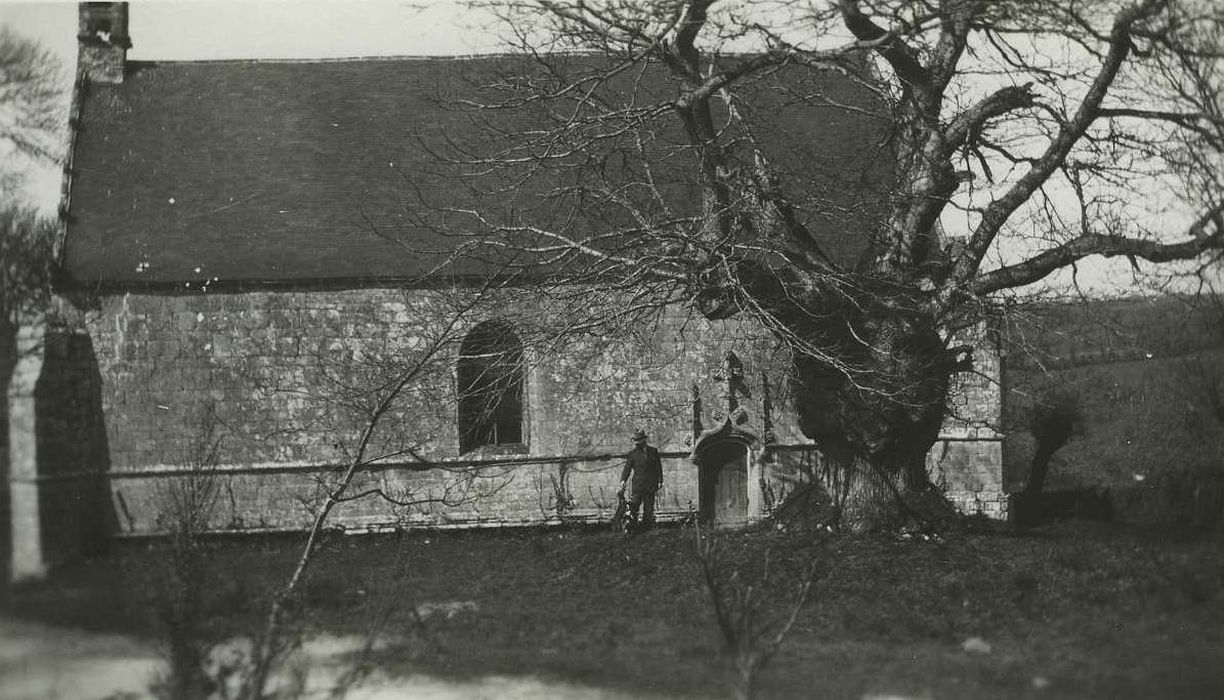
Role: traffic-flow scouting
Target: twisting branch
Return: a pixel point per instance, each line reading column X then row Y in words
column 959, row 132
column 900, row 56
column 1040, row 265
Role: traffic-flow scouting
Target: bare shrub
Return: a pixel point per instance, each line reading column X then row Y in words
column 1055, row 419
column 185, row 508
column 755, row 600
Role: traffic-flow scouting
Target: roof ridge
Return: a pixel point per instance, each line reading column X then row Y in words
column 350, row 59
column 382, row 59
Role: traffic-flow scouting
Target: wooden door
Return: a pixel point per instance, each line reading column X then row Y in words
column 725, row 492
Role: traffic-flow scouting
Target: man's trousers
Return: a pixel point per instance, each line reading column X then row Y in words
column 645, row 500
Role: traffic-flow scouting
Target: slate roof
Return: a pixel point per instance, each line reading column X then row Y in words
column 279, row 171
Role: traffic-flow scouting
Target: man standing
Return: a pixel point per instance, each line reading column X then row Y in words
column 647, row 469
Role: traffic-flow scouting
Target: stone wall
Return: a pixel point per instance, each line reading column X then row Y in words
column 967, row 462
column 268, row 392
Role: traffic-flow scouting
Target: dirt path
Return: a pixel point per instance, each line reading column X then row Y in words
column 39, row 662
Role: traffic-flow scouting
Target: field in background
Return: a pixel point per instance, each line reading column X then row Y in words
column 1144, row 374
column 1067, row 613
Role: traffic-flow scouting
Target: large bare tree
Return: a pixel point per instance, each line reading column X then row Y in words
column 998, row 142
column 31, row 102
column 32, row 105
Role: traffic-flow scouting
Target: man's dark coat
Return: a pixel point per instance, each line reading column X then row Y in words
column 647, row 470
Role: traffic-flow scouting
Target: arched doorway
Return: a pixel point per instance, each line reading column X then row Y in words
column 727, row 478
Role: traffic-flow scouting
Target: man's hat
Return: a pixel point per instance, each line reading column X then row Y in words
column 639, row 436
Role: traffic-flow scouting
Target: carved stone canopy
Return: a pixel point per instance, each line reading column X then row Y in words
column 728, row 431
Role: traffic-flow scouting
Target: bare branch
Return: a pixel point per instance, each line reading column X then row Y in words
column 1088, row 244
column 997, row 213
column 30, row 96
column 899, row 55
column 967, row 123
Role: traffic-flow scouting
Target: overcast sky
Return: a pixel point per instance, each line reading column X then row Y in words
column 210, row 29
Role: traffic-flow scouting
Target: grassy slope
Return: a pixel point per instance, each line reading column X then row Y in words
column 1100, row 614
column 1138, row 369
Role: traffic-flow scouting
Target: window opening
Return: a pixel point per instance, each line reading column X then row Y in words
column 490, row 387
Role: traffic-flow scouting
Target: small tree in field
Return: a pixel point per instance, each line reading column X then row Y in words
column 655, row 164
column 1052, row 423
column 185, row 511
column 755, row 601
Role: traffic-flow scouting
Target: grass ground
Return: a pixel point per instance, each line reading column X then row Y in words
column 1069, row 613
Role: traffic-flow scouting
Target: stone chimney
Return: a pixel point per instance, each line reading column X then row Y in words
column 103, row 41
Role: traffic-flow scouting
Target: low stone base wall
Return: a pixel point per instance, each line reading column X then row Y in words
column 491, row 493
column 482, row 494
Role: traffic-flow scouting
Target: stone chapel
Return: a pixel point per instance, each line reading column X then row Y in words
column 219, row 254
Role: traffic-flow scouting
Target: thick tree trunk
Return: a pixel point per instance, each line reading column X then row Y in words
column 870, row 379
column 868, row 496
column 875, row 424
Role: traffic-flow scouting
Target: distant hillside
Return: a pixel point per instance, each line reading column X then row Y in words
column 1092, row 332
column 1140, row 371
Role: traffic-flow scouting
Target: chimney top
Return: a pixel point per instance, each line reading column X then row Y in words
column 104, row 23
column 103, row 41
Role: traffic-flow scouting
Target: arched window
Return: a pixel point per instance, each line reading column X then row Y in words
column 490, row 387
